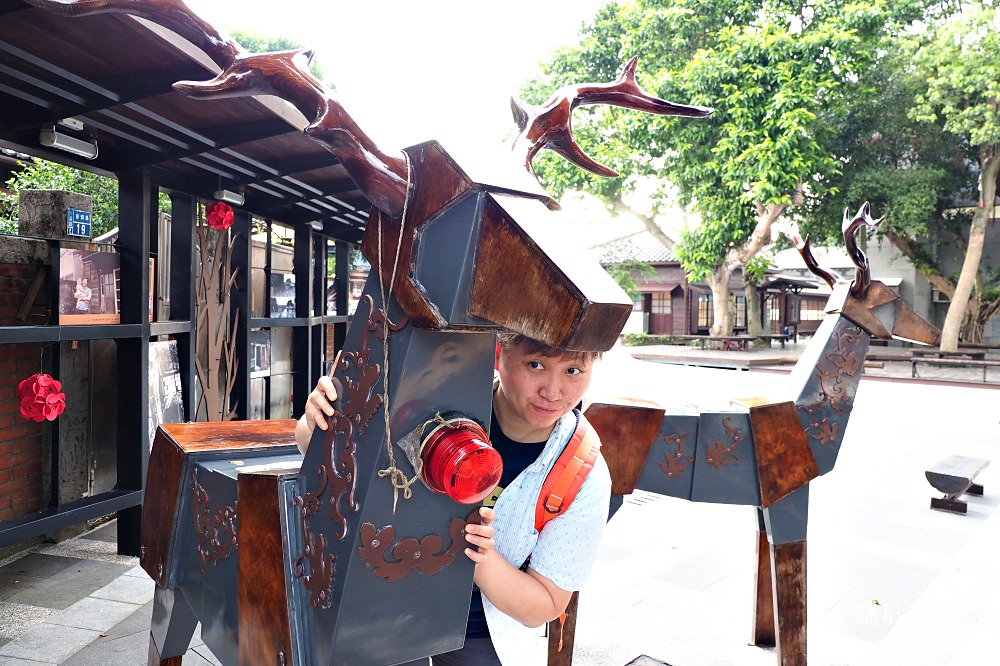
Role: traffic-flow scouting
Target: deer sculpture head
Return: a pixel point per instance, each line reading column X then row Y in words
column 868, row 303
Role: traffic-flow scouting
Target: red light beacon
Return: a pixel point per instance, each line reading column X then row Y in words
column 459, row 461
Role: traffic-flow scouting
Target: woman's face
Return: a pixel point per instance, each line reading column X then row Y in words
column 536, row 391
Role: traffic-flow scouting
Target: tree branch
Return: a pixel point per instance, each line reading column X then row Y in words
column 619, row 207
column 929, row 268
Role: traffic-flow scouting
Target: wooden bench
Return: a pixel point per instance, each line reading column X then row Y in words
column 962, row 354
column 983, row 363
column 954, row 476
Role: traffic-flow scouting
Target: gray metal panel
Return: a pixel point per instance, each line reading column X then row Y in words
column 430, row 372
column 825, row 381
column 172, row 623
column 669, row 469
column 444, row 258
column 210, row 587
column 724, row 467
column 787, row 519
column 216, row 578
column 298, row 598
column 442, row 372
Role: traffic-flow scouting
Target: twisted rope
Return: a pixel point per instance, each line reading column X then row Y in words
column 393, row 473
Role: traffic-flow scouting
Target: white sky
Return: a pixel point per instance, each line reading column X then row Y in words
column 413, row 70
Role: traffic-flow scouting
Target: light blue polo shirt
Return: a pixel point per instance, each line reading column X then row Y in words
column 563, row 552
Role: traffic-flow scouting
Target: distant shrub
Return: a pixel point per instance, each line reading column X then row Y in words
column 640, row 339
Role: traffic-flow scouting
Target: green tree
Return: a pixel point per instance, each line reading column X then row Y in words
column 963, row 91
column 911, row 171
column 779, row 74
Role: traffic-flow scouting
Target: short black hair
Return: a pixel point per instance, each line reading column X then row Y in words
column 508, row 340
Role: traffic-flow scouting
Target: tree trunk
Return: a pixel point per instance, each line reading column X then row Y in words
column 974, row 254
column 718, row 281
column 755, row 322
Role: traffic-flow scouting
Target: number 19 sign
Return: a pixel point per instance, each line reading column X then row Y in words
column 78, row 223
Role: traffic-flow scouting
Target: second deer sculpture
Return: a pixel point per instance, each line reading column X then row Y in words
column 764, row 452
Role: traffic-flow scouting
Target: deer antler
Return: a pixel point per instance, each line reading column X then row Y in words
column 830, row 277
column 285, row 74
column 172, row 14
column 550, row 125
column 863, row 277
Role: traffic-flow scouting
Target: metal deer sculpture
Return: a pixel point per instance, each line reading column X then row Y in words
column 317, row 561
column 765, row 452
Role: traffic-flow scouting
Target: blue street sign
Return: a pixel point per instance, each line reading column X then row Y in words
column 78, row 223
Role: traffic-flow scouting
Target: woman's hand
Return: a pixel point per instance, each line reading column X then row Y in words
column 480, row 535
column 527, row 596
column 319, row 407
column 319, row 404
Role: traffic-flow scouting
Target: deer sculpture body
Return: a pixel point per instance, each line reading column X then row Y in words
column 764, row 452
column 319, row 560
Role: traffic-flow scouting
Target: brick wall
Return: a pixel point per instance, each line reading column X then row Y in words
column 21, row 447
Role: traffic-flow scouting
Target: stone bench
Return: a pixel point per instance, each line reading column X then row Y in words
column 954, row 476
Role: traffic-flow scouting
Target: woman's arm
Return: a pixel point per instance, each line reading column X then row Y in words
column 319, row 405
column 527, row 596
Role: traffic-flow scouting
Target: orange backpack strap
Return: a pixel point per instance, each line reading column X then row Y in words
column 568, row 474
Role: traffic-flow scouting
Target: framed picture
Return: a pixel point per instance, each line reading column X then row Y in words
column 89, row 287
column 166, row 396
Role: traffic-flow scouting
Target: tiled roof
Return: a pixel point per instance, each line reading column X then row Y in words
column 641, row 246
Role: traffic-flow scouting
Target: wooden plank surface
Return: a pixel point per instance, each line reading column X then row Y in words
column 264, row 628
column 627, row 432
column 785, row 462
column 230, row 435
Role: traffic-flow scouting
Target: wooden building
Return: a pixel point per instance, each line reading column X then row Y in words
column 666, row 302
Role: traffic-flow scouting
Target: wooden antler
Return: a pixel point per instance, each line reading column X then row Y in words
column 828, row 276
column 285, row 74
column 550, row 125
column 863, row 277
column 172, row 14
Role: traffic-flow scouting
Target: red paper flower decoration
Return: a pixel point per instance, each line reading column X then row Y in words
column 41, row 398
column 219, row 215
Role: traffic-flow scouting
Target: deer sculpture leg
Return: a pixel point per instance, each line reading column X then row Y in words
column 763, row 605
column 785, row 523
column 171, row 628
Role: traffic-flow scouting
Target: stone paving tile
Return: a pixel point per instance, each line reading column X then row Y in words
column 135, row 626
column 63, row 588
column 873, row 537
column 11, row 583
column 128, row 588
column 108, row 652
column 92, row 613
column 49, row 641
column 38, row 565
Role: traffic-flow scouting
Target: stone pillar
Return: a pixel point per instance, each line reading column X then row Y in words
column 42, row 213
